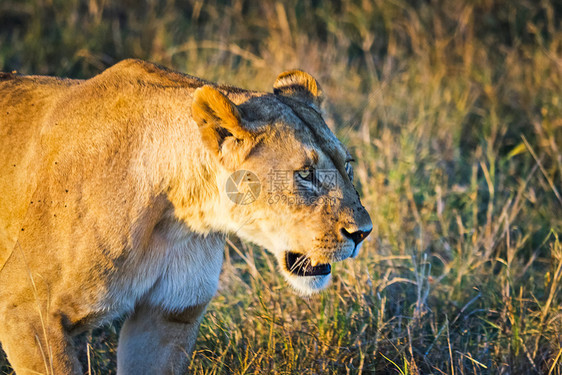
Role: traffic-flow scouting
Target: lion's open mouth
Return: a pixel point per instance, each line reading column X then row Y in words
column 300, row 265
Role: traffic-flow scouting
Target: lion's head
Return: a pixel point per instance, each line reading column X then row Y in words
column 285, row 180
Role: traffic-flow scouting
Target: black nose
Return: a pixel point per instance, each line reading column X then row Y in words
column 356, row 236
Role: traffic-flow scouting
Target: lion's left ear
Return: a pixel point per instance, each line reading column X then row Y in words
column 220, row 125
column 299, row 85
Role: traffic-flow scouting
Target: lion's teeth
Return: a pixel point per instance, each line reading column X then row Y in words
column 314, row 263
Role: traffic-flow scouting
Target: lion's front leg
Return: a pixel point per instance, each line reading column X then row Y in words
column 37, row 344
column 153, row 341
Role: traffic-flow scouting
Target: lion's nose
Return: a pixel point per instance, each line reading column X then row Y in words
column 358, row 235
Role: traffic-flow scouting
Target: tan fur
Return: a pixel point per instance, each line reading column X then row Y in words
column 298, row 84
column 113, row 202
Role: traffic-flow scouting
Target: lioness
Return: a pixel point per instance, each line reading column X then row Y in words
column 113, row 202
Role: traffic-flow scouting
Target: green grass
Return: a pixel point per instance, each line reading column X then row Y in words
column 453, row 110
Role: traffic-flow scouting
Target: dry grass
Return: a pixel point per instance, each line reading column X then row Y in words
column 454, row 112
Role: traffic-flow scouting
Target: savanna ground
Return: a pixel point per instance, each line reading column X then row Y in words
column 453, row 110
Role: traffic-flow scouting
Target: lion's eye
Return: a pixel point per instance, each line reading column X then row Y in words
column 349, row 170
column 305, row 174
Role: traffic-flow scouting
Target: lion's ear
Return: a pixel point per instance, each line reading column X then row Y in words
column 298, row 85
column 220, row 125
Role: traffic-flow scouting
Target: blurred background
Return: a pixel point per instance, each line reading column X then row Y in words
column 453, row 111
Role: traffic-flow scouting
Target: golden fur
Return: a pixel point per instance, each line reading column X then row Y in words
column 112, row 202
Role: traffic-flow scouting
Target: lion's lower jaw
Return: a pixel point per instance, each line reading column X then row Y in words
column 308, row 285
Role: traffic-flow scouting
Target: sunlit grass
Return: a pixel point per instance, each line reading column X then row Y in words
column 454, row 114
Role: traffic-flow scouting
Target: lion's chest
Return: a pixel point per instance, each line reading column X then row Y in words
column 178, row 270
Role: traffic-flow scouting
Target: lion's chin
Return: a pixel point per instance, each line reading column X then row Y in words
column 307, row 285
